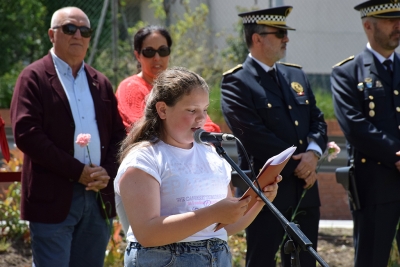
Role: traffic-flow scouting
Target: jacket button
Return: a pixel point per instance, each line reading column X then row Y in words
column 71, row 180
column 72, row 124
column 71, row 152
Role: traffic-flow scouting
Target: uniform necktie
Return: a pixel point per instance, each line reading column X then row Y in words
column 388, row 65
column 272, row 73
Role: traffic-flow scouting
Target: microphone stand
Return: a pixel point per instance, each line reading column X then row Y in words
column 297, row 240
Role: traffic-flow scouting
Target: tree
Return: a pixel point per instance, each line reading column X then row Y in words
column 23, row 33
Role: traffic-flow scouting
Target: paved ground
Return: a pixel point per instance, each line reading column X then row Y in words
column 347, row 224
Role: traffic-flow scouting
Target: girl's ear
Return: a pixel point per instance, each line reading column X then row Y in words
column 161, row 108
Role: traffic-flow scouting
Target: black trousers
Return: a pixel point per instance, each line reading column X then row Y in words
column 265, row 234
column 374, row 231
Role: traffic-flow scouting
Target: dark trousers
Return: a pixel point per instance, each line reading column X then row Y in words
column 265, row 234
column 374, row 231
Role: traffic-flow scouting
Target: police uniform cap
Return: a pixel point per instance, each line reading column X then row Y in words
column 273, row 17
column 379, row 8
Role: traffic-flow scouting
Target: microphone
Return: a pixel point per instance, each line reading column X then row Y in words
column 201, row 136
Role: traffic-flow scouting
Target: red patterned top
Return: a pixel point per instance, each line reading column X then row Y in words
column 131, row 95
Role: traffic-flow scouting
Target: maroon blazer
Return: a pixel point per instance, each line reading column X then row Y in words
column 44, row 129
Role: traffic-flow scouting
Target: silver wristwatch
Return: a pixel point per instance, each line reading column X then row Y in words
column 316, row 153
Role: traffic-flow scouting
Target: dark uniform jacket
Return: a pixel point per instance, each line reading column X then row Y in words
column 44, row 130
column 367, row 106
column 268, row 120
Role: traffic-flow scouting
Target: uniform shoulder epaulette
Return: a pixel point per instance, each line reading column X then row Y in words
column 291, row 65
column 238, row 67
column 343, row 61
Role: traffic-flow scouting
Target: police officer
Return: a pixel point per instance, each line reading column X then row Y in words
column 367, row 105
column 269, row 106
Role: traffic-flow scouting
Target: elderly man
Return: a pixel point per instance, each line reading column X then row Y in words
column 55, row 99
column 269, row 106
column 367, row 105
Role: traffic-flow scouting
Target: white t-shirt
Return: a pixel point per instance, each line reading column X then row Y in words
column 190, row 179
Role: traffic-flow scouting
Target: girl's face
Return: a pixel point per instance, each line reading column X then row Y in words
column 151, row 67
column 182, row 120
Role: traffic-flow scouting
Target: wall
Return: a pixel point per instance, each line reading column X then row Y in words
column 334, row 201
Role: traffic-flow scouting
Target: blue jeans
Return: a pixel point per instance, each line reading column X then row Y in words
column 204, row 253
column 80, row 240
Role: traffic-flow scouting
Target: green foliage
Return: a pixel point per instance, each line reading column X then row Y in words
column 238, row 246
column 159, row 8
column 115, row 248
column 394, row 257
column 10, row 200
column 190, row 48
column 22, row 39
column 236, row 51
column 214, row 110
column 4, row 245
column 7, row 83
column 325, row 103
column 12, row 227
column 126, row 63
column 23, row 32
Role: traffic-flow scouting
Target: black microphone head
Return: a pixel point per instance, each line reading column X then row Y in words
column 197, row 136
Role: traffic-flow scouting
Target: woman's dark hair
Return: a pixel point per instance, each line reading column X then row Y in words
column 141, row 35
column 169, row 87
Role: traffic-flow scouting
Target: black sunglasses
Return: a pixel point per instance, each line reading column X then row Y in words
column 279, row 34
column 70, row 29
column 150, row 52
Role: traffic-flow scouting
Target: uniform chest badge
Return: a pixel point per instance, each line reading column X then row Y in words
column 297, row 88
column 378, row 84
column 360, row 86
column 368, row 82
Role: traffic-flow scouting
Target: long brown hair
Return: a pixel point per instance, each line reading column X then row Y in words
column 169, row 87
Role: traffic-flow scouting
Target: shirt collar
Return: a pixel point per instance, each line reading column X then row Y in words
column 264, row 66
column 62, row 66
column 379, row 56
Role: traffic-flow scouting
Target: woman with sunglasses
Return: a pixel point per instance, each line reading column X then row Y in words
column 152, row 47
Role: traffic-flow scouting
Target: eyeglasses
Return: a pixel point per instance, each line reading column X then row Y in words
column 70, row 29
column 279, row 34
column 150, row 52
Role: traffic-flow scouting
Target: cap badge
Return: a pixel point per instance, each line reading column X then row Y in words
column 297, row 88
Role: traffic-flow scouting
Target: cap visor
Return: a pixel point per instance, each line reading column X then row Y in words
column 279, row 26
column 388, row 15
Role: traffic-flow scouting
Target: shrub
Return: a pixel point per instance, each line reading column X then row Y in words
column 10, row 200
column 325, row 103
